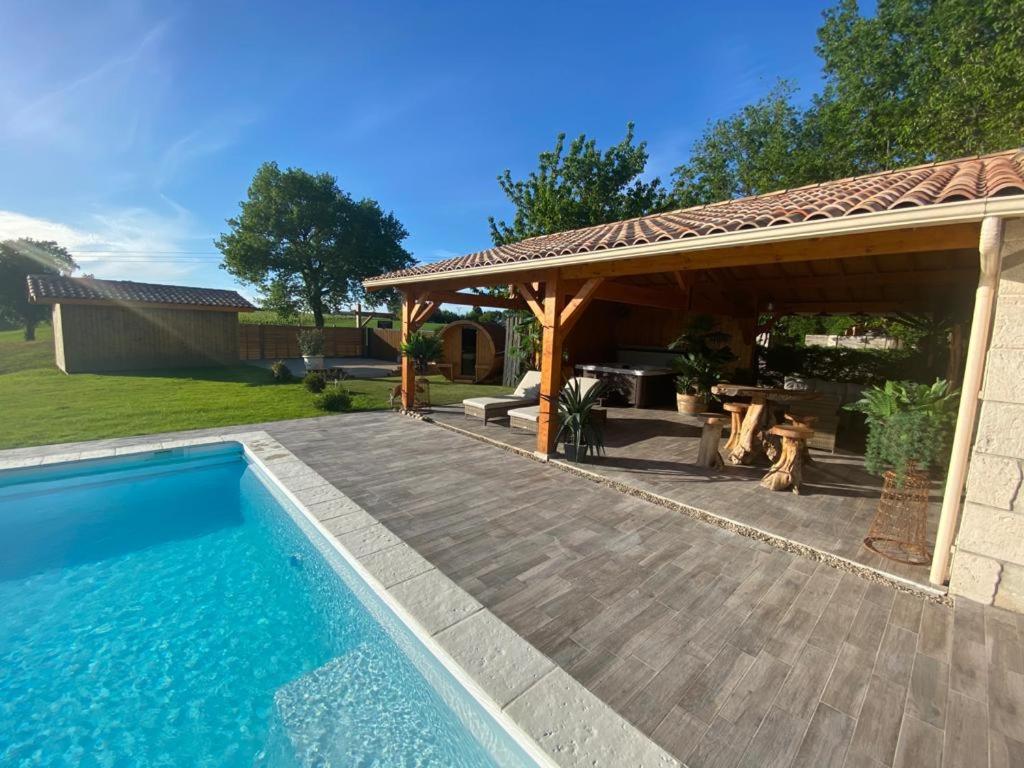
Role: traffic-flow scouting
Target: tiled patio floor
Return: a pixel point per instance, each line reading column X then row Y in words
column 726, row 651
column 654, row 451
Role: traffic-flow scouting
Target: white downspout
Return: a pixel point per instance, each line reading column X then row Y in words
column 989, row 247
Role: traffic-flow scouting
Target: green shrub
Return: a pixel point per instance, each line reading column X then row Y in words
column 857, row 366
column 281, row 372
column 334, row 398
column 315, row 381
column 311, row 342
column 909, row 426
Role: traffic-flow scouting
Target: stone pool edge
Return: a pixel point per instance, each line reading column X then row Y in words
column 555, row 719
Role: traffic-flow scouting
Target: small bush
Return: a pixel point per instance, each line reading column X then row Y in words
column 281, row 372
column 315, row 381
column 333, row 399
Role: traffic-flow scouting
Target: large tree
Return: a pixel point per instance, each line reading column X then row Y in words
column 19, row 259
column 307, row 245
column 918, row 81
column 578, row 188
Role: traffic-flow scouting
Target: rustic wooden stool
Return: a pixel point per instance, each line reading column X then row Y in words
column 710, row 435
column 737, row 411
column 798, row 420
column 787, row 471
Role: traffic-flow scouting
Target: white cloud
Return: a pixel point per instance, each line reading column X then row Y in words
column 125, row 244
column 76, row 112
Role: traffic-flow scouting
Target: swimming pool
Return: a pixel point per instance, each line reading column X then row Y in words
column 174, row 608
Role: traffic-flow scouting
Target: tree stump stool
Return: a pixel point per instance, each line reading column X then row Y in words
column 787, row 471
column 803, row 421
column 737, row 411
column 710, row 435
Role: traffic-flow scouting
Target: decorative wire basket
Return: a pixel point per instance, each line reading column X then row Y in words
column 421, row 398
column 899, row 530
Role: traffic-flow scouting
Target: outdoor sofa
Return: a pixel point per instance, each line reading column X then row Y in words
column 526, row 393
column 526, row 418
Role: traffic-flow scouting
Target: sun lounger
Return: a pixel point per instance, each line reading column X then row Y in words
column 526, row 418
column 526, row 393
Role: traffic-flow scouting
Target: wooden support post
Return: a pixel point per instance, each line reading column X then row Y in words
column 408, row 371
column 550, row 365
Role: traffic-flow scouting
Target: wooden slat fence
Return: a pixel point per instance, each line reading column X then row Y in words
column 275, row 342
column 383, row 343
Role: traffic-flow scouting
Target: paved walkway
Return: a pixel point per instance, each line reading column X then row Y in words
column 725, row 651
column 656, row 450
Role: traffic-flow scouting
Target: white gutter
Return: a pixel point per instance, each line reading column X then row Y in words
column 904, row 218
column 989, row 246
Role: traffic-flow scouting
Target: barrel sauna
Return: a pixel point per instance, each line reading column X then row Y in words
column 472, row 351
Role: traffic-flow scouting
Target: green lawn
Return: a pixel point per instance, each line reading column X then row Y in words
column 266, row 317
column 41, row 405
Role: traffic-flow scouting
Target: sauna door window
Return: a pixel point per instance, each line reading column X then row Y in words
column 468, row 360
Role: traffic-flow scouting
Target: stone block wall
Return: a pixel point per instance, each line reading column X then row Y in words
column 988, row 563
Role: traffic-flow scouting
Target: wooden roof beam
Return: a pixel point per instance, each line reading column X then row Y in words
column 949, row 237
column 474, row 299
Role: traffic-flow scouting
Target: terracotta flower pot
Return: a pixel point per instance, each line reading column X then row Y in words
column 691, row 403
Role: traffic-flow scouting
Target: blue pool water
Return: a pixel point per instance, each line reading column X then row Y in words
column 174, row 610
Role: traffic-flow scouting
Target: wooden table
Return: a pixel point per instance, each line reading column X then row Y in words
column 753, row 438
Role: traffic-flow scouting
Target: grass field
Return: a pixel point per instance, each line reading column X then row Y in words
column 265, row 317
column 41, row 405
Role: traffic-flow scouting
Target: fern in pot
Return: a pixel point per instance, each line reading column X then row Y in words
column 910, row 427
column 578, row 425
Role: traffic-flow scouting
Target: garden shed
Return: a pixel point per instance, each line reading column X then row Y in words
column 472, row 351
column 118, row 325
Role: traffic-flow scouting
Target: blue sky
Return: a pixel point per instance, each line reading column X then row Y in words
column 132, row 129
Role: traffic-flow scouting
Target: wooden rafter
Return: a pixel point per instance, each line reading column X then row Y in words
column 573, row 309
column 529, row 294
column 422, row 310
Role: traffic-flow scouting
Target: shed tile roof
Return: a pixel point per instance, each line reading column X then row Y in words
column 51, row 289
column 973, row 178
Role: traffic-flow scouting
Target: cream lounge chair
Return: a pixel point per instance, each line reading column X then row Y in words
column 526, row 393
column 526, row 418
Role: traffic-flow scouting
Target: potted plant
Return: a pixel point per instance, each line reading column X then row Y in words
column 696, row 374
column 704, row 351
column 909, row 428
column 578, row 426
column 311, row 347
column 424, row 349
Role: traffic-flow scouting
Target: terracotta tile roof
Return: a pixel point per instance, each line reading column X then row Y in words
column 974, row 178
column 50, row 289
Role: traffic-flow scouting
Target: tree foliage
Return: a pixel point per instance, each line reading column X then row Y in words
column 19, row 259
column 307, row 245
column 918, row 81
column 578, row 188
column 753, row 151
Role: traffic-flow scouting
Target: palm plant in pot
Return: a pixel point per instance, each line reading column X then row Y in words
column 579, row 428
column 311, row 347
column 696, row 374
column 424, row 349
